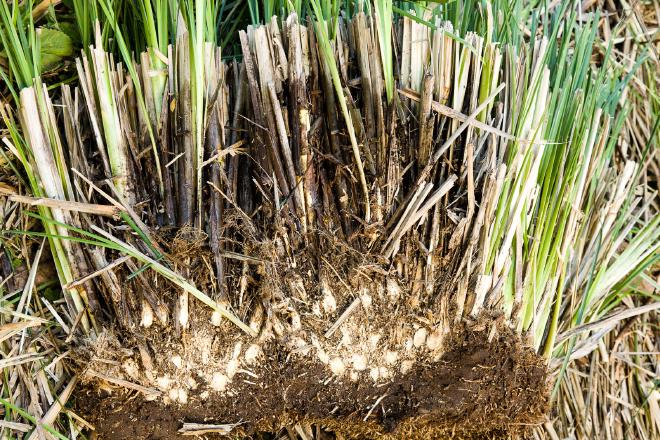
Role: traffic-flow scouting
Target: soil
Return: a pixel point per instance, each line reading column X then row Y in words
column 487, row 384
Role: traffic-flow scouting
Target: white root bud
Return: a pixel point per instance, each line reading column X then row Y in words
column 192, row 383
column 420, row 337
column 359, row 362
column 295, row 321
column 164, row 383
column 237, row 350
column 391, row 357
column 252, row 354
column 177, row 361
column 219, row 381
column 162, row 313
column 383, row 373
column 323, row 356
column 366, row 301
column 337, row 366
column 257, row 318
column 329, row 303
column 147, row 318
column 183, row 310
column 232, row 368
column 393, row 290
column 216, row 318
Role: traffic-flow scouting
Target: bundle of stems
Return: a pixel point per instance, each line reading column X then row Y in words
column 36, row 328
column 38, row 148
column 608, row 390
column 475, row 162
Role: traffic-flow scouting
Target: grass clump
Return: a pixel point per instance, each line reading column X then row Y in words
column 480, row 166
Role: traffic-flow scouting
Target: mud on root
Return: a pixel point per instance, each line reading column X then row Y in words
column 485, row 385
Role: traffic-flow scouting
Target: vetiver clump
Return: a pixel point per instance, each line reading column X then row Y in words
column 380, row 224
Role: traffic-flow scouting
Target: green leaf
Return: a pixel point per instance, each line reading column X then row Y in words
column 54, row 46
column 71, row 30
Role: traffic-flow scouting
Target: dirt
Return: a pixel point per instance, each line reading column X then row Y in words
column 485, row 385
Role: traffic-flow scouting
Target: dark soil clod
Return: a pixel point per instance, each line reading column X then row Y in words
column 478, row 389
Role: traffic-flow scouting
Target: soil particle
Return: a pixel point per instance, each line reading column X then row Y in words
column 477, row 389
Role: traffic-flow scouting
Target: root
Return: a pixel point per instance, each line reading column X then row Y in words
column 484, row 384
